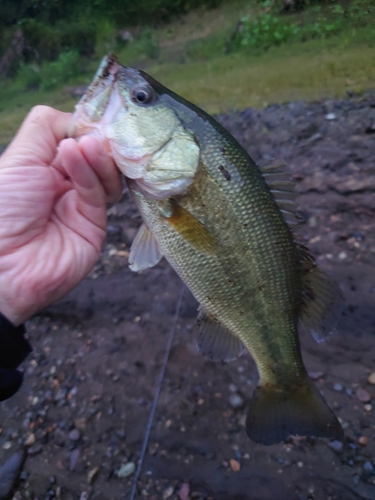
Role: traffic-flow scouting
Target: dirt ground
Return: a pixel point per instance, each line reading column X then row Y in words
column 89, row 383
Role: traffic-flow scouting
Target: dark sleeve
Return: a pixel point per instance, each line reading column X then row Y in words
column 13, row 350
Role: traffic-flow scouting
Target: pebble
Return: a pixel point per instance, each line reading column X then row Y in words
column 363, row 440
column 7, row 445
column 362, row 395
column 30, row 440
column 80, row 423
column 338, row 387
column 234, row 465
column 330, row 116
column 316, row 375
column 9, row 472
column 368, row 467
column 342, row 255
column 74, row 456
column 236, row 401
column 233, row 388
column 336, row 445
column 367, row 407
column 34, row 450
column 183, row 494
column 92, row 475
column 84, row 495
column 74, row 435
column 371, row 378
column 168, row 492
column 126, row 470
column 312, row 222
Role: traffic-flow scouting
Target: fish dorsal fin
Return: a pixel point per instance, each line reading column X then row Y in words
column 192, row 230
column 321, row 298
column 144, row 252
column 282, row 189
column 216, row 342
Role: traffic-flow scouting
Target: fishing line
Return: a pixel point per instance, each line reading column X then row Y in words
column 157, row 393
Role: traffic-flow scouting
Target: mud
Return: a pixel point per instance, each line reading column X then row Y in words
column 90, row 381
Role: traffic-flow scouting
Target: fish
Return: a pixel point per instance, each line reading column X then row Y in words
column 224, row 225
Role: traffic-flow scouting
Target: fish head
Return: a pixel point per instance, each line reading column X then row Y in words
column 126, row 109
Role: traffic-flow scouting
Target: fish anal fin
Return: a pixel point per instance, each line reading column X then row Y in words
column 276, row 413
column 216, row 342
column 321, row 298
column 192, row 230
column 144, row 252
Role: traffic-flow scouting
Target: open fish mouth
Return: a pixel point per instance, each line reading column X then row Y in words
column 120, row 108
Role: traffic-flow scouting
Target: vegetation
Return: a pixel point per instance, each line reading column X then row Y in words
column 270, row 28
column 239, row 54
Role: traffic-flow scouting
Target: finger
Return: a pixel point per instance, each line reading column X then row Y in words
column 91, row 194
column 104, row 167
column 38, row 137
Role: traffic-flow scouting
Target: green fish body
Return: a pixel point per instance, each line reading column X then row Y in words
column 219, row 221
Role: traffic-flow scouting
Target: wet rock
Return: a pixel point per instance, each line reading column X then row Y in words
column 30, row 440
column 234, row 465
column 168, row 492
column 34, row 450
column 316, row 375
column 368, row 467
column 362, row 395
column 126, row 470
column 336, row 445
column 363, row 440
column 80, row 423
column 9, row 472
column 183, row 494
column 73, row 459
column 92, row 475
column 74, row 435
column 236, row 401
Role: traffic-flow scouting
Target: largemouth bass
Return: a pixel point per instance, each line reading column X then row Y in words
column 220, row 222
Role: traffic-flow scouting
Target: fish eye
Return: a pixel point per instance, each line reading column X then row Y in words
column 142, row 95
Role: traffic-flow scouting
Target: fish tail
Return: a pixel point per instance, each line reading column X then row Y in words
column 276, row 413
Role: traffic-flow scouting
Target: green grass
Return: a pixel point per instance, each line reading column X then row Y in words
column 191, row 61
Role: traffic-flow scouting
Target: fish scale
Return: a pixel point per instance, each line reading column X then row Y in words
column 208, row 210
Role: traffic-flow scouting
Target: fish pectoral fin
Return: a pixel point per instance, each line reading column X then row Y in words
column 321, row 298
column 192, row 230
column 144, row 252
column 276, row 413
column 215, row 341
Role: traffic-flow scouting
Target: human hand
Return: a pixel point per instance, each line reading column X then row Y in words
column 52, row 211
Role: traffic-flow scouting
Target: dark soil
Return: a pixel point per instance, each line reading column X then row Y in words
column 97, row 354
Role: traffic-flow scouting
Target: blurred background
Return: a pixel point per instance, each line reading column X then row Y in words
column 221, row 54
column 292, row 80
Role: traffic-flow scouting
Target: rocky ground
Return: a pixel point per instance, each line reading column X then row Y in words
column 79, row 420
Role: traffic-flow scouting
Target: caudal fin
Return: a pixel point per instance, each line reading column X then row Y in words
column 276, row 413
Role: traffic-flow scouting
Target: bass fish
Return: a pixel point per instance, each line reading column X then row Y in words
column 220, row 221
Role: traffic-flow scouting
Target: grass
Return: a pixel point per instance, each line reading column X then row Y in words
column 236, row 81
column 190, row 60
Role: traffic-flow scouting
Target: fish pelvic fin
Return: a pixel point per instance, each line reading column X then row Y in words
column 276, row 413
column 321, row 298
